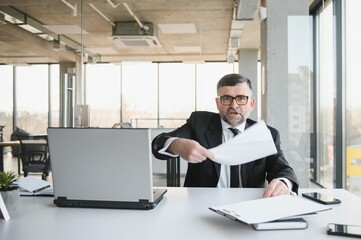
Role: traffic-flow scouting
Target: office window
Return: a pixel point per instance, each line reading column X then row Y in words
column 103, row 94
column 151, row 95
column 326, row 99
column 6, row 100
column 176, row 93
column 353, row 97
column 294, row 96
column 139, row 94
column 32, row 98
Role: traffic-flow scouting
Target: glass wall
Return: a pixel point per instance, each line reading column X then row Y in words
column 32, row 98
column 326, row 96
column 156, row 96
column 207, row 78
column 353, row 97
column 151, row 95
column 6, row 100
column 176, row 93
column 297, row 138
column 336, row 96
column 140, row 94
column 103, row 94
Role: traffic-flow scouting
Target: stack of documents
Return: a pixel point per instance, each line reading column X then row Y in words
column 269, row 209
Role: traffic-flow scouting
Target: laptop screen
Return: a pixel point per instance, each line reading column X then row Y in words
column 101, row 164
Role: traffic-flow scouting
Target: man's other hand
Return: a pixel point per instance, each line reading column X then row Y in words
column 276, row 188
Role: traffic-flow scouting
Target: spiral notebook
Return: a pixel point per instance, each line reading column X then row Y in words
column 282, row 224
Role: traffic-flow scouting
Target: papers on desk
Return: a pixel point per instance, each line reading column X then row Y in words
column 269, row 209
column 33, row 186
column 254, row 143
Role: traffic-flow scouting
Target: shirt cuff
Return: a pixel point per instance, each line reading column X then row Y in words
column 289, row 185
column 166, row 146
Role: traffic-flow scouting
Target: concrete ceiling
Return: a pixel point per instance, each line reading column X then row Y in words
column 211, row 20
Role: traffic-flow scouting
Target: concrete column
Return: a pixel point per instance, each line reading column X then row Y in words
column 247, row 66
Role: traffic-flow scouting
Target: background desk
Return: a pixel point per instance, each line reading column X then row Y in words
column 6, row 144
column 182, row 214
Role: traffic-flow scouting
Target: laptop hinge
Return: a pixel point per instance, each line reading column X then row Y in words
column 146, row 203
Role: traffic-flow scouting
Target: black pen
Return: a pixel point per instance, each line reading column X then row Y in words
column 41, row 189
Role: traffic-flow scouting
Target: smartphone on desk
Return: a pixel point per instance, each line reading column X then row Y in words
column 344, row 230
column 321, row 198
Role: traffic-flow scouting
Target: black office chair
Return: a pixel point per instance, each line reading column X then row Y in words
column 34, row 155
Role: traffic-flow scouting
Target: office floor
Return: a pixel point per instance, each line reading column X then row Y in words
column 11, row 164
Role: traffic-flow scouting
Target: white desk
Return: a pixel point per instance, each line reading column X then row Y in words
column 182, row 214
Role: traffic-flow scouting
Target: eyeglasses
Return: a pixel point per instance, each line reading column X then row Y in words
column 227, row 100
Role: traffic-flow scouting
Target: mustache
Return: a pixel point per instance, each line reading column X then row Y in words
column 231, row 110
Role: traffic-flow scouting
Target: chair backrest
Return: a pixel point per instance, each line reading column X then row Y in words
column 34, row 154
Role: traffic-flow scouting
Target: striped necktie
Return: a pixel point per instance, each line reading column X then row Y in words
column 235, row 169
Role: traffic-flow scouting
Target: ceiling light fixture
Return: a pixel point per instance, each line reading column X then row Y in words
column 12, row 15
column 73, row 8
column 31, row 25
column 46, row 36
column 101, row 14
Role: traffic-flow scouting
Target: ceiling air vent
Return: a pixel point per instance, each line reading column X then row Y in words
column 130, row 34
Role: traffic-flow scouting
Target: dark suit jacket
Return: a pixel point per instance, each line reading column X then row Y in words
column 206, row 129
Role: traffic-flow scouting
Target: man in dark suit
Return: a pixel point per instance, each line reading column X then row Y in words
column 205, row 130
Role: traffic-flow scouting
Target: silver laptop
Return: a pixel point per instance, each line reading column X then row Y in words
column 102, row 168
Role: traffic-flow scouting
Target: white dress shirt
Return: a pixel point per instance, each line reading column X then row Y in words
column 225, row 173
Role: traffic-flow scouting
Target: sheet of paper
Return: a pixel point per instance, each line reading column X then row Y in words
column 254, row 143
column 269, row 209
column 32, row 184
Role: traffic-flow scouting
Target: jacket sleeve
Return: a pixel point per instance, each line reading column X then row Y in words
column 158, row 143
column 278, row 166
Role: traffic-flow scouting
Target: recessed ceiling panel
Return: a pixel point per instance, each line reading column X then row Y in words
column 65, row 29
column 178, row 28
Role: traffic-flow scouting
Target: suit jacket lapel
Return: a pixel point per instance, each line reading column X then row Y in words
column 214, row 137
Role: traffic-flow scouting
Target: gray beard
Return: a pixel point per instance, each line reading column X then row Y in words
column 241, row 120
